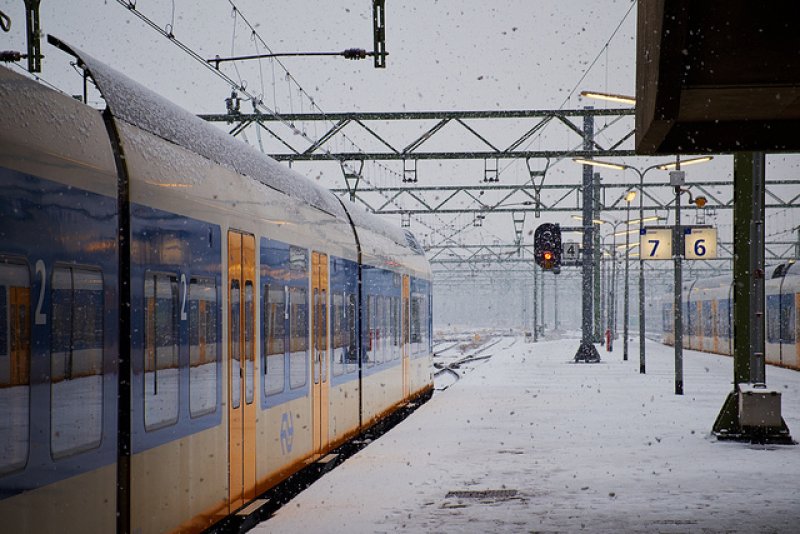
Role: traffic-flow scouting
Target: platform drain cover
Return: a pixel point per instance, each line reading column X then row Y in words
column 482, row 494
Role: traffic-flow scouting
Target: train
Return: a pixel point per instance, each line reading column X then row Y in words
column 184, row 322
column 708, row 315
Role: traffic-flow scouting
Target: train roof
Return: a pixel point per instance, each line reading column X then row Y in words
column 132, row 102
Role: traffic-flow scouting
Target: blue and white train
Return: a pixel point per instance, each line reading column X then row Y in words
column 708, row 320
column 184, row 322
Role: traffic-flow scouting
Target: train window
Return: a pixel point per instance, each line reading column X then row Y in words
column 773, row 319
column 416, row 325
column 323, row 330
column 666, row 317
column 708, row 319
column 387, row 328
column 249, row 339
column 275, row 342
column 298, row 337
column 425, row 320
column 394, row 328
column 203, row 346
column 379, row 332
column 724, row 318
column 352, row 352
column 340, row 333
column 788, row 316
column 76, row 360
column 15, row 357
column 234, row 343
column 160, row 350
column 371, row 331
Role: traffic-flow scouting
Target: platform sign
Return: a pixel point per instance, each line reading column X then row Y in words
column 655, row 243
column 570, row 251
column 700, row 243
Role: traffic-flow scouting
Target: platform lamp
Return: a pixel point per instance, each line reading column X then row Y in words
column 640, row 173
column 677, row 180
column 629, row 196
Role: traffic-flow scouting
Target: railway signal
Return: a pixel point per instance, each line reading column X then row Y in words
column 547, row 246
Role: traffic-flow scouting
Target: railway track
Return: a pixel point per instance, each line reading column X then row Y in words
column 449, row 372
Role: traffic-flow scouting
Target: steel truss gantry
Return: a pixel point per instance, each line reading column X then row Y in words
column 489, row 198
column 315, row 150
column 437, row 200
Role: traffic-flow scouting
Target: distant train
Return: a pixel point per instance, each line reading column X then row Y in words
column 184, row 322
column 708, row 322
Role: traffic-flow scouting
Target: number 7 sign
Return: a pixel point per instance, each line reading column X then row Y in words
column 655, row 244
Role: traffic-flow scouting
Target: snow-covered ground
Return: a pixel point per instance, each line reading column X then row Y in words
column 538, row 444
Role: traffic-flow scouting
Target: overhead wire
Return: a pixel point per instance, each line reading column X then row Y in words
column 290, row 78
column 588, row 69
column 241, row 86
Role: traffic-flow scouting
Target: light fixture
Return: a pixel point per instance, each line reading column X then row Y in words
column 623, row 232
column 595, row 221
column 692, row 161
column 622, row 99
column 646, row 219
column 598, row 163
column 630, row 195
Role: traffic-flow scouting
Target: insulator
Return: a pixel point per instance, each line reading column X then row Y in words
column 355, row 53
column 8, row 56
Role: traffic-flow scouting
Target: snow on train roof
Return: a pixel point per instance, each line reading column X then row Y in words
column 130, row 101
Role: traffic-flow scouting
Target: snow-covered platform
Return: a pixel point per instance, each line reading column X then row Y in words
column 526, row 441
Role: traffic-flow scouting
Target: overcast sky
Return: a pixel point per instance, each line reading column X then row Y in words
column 443, row 55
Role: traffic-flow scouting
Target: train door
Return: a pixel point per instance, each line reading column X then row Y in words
column 241, row 368
column 406, row 329
column 319, row 350
column 19, row 307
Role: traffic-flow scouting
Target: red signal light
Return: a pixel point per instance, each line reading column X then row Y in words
column 548, row 259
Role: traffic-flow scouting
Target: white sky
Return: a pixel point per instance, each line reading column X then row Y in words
column 444, row 55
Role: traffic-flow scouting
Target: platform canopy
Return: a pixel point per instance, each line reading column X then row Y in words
column 717, row 76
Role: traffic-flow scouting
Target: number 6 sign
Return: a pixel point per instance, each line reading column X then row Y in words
column 700, row 243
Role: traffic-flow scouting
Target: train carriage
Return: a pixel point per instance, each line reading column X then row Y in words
column 708, row 320
column 184, row 322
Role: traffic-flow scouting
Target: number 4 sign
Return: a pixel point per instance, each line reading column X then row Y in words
column 570, row 251
column 700, row 243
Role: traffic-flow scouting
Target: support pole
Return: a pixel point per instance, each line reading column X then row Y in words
column 598, row 253
column 535, row 308
column 587, row 352
column 641, row 275
column 748, row 305
column 613, row 305
column 677, row 250
column 379, row 32
column 541, row 300
column 556, row 324
column 627, row 300
column 34, row 36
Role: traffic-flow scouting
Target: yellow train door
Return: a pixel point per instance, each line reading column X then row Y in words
column 241, row 368
column 406, row 303
column 19, row 315
column 319, row 349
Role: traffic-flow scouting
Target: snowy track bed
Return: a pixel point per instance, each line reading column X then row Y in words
column 527, row 441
